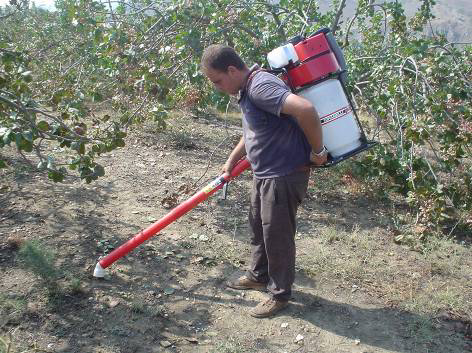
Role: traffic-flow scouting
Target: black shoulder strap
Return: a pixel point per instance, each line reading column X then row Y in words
column 251, row 76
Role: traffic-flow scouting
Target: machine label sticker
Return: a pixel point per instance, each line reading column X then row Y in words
column 214, row 184
column 336, row 115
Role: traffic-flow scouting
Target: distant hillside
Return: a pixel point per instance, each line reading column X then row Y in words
column 453, row 17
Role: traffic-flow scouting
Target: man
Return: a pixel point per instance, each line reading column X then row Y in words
column 281, row 136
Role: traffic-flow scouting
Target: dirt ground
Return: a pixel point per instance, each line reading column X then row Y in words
column 168, row 295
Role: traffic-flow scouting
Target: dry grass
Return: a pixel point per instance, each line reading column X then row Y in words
column 432, row 282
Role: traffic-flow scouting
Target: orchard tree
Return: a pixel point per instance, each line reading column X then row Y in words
column 417, row 89
column 138, row 59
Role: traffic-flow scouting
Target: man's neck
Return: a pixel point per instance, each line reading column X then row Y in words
column 246, row 74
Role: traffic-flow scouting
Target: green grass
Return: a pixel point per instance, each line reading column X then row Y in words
column 40, row 260
column 421, row 331
column 137, row 306
column 12, row 310
column 232, row 345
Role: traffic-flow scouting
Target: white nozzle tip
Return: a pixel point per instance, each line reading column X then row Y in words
column 99, row 271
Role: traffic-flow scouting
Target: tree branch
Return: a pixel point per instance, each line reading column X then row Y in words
column 275, row 15
column 339, row 12
column 8, row 15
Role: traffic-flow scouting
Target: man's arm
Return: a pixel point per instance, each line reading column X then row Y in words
column 238, row 152
column 309, row 121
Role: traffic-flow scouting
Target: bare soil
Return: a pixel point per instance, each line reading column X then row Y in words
column 168, row 295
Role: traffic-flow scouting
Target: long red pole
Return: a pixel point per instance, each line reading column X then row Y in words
column 176, row 213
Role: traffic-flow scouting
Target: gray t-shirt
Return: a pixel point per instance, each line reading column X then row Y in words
column 275, row 144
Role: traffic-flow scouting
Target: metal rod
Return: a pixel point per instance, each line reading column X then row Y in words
column 173, row 215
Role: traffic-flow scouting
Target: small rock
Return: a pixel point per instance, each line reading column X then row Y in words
column 299, row 338
column 114, row 303
column 284, row 325
column 203, row 237
column 357, row 342
column 199, row 259
column 32, row 307
column 165, row 344
column 169, row 291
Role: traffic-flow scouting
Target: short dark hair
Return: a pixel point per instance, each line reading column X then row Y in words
column 219, row 57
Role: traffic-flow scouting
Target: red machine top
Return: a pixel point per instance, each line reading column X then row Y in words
column 312, row 46
column 317, row 61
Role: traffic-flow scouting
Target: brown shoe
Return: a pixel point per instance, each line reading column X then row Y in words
column 268, row 308
column 244, row 282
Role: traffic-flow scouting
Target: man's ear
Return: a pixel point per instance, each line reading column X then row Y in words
column 232, row 70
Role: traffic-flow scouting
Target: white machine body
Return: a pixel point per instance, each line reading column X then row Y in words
column 282, row 56
column 314, row 69
column 341, row 133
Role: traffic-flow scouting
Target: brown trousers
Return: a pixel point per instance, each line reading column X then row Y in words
column 272, row 220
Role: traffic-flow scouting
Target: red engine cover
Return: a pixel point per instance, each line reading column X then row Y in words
column 312, row 46
column 317, row 61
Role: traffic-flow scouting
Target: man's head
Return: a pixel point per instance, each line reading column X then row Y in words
column 224, row 68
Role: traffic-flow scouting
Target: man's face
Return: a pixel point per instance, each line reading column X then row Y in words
column 226, row 82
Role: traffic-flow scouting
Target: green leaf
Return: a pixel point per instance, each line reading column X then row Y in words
column 56, row 176
column 99, row 171
column 43, row 126
column 3, row 164
column 41, row 165
column 78, row 146
column 8, row 137
column 57, row 97
column 120, row 143
column 18, row 141
column 75, row 145
column 98, row 34
column 27, row 146
column 51, row 164
column 28, row 135
column 97, row 97
column 27, row 76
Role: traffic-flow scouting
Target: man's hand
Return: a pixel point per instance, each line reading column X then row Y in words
column 319, row 158
column 238, row 152
column 308, row 120
column 228, row 167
